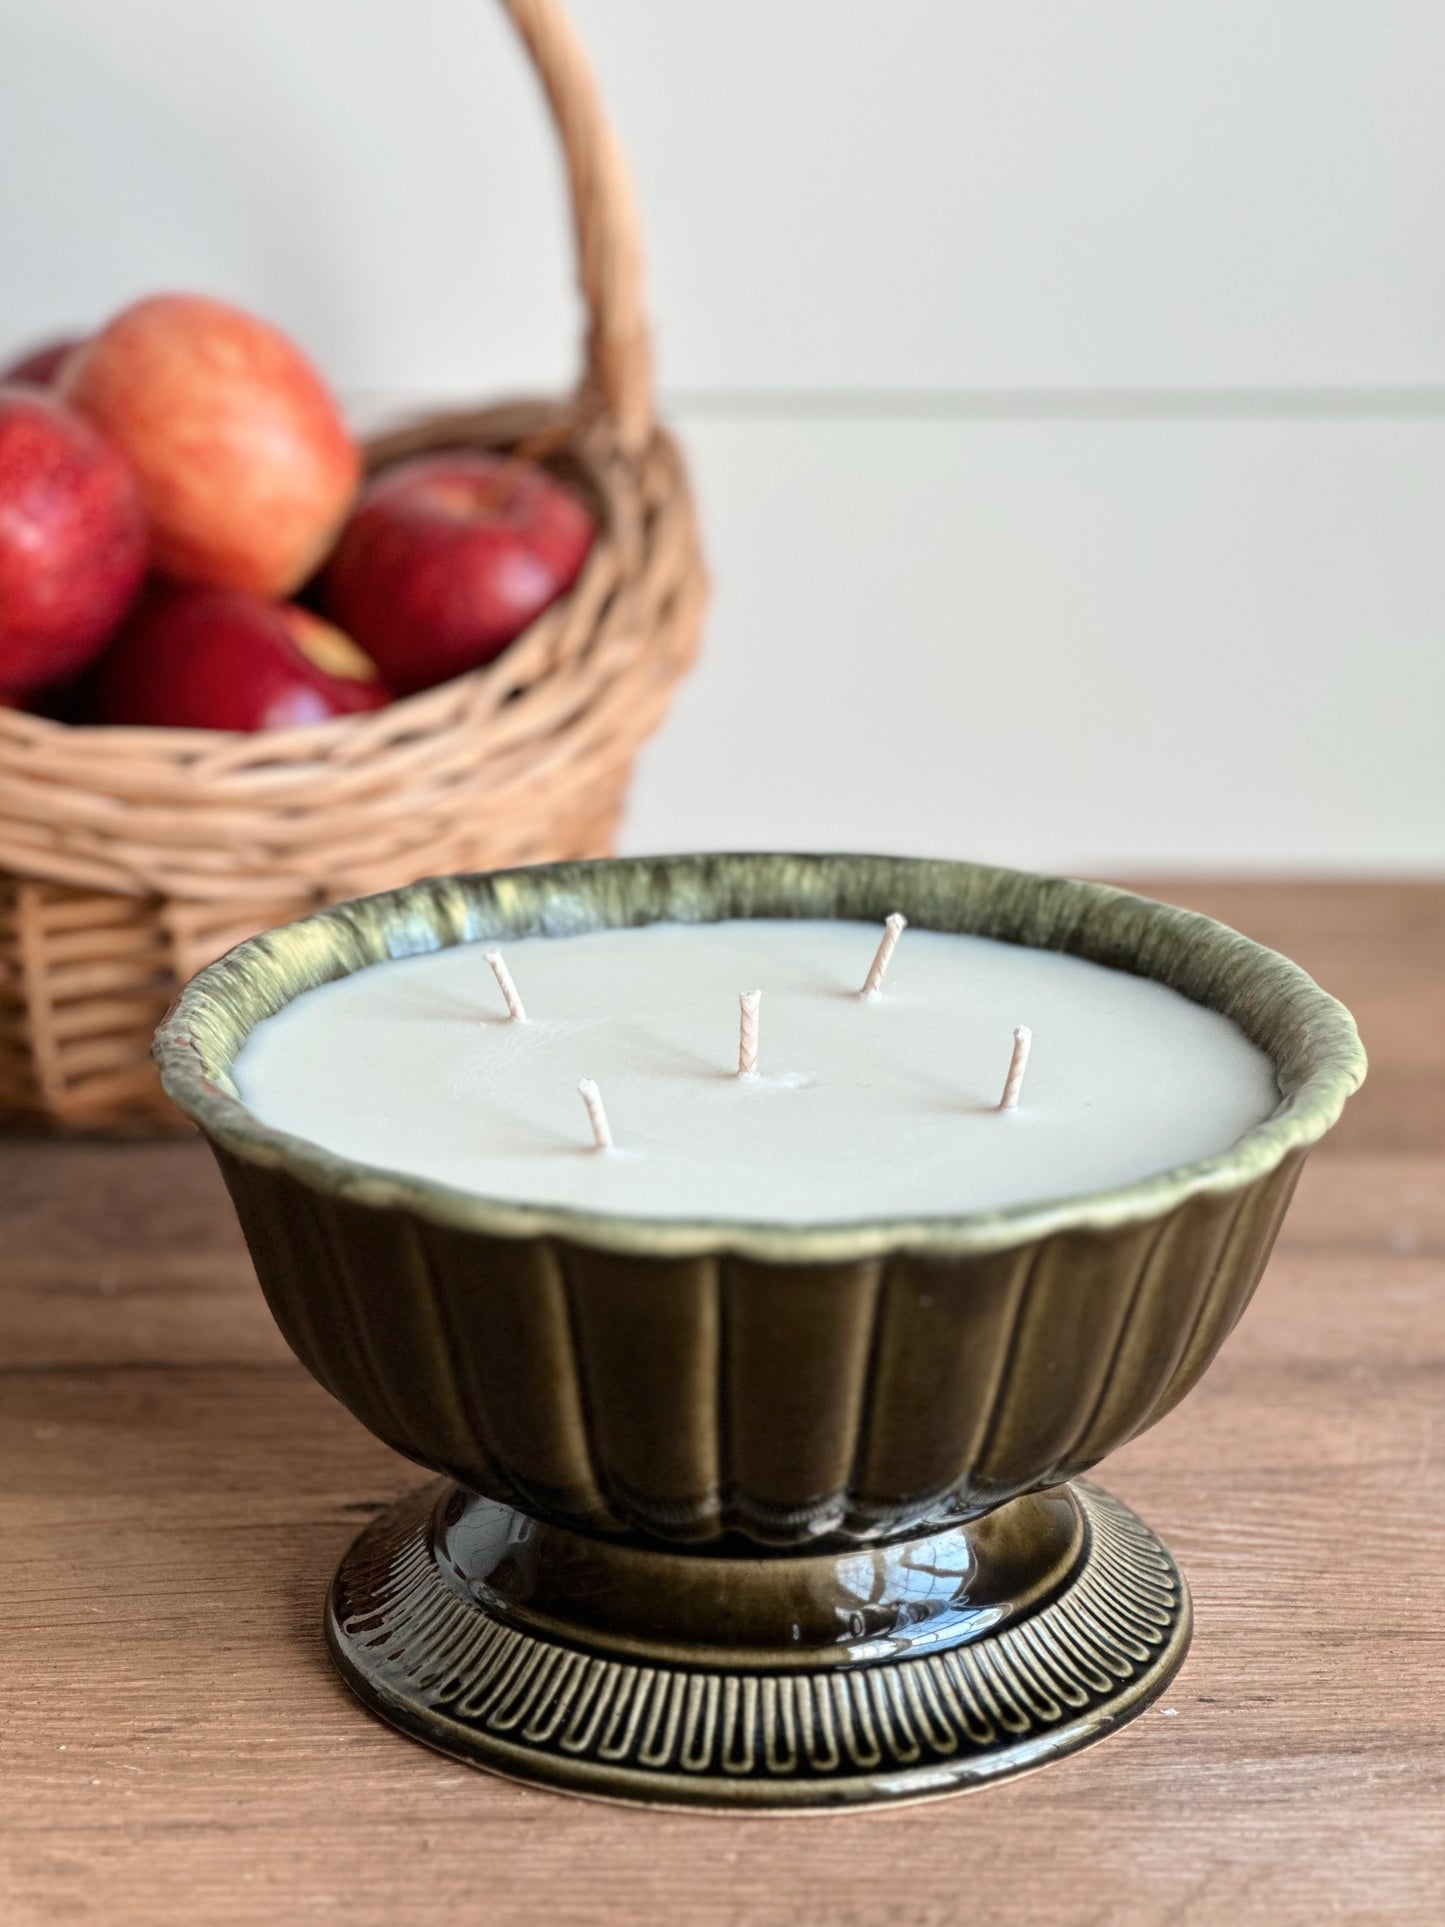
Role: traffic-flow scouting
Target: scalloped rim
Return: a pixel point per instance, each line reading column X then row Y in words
column 1311, row 1037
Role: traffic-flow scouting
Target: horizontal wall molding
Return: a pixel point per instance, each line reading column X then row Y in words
column 1058, row 404
column 1264, row 404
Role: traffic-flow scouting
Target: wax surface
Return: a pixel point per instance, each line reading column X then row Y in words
column 862, row 1109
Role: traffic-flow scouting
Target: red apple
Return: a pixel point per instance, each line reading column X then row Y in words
column 72, row 540
column 245, row 463
column 448, row 558
column 192, row 658
column 40, row 367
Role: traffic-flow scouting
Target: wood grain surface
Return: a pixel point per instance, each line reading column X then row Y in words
column 174, row 1747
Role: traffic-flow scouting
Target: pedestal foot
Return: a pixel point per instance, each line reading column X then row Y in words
column 766, row 1683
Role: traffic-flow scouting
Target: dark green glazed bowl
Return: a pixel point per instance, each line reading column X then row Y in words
column 727, row 1383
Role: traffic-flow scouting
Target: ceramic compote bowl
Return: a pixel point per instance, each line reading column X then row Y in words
column 752, row 1516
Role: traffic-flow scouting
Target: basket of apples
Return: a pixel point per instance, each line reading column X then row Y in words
column 248, row 667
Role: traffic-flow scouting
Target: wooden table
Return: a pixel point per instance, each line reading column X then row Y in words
column 177, row 1749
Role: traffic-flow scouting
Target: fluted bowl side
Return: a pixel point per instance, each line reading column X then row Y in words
column 789, row 1383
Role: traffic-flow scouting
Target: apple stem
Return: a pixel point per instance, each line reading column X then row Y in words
column 506, row 986
column 893, row 929
column 1023, row 1037
column 749, row 1004
column 601, row 1130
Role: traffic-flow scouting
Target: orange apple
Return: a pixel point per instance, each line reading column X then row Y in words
column 245, row 464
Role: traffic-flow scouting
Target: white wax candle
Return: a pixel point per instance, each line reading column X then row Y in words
column 862, row 1108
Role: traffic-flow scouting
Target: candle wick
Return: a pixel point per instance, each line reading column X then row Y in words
column 893, row 929
column 1023, row 1037
column 749, row 1006
column 597, row 1116
column 506, row 986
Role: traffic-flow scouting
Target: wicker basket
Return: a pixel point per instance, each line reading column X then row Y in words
column 131, row 857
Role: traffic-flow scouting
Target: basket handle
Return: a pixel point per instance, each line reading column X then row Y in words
column 617, row 381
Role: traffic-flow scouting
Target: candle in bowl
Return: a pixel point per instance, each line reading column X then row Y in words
column 884, row 1107
column 758, row 1401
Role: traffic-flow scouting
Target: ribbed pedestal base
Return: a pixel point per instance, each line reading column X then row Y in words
column 784, row 1683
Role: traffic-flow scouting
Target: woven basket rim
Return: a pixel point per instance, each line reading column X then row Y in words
column 1310, row 1036
column 180, row 745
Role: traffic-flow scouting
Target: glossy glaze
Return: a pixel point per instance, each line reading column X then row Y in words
column 867, row 1722
column 740, row 1608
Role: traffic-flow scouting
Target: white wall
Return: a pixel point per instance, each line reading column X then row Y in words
column 1065, row 384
